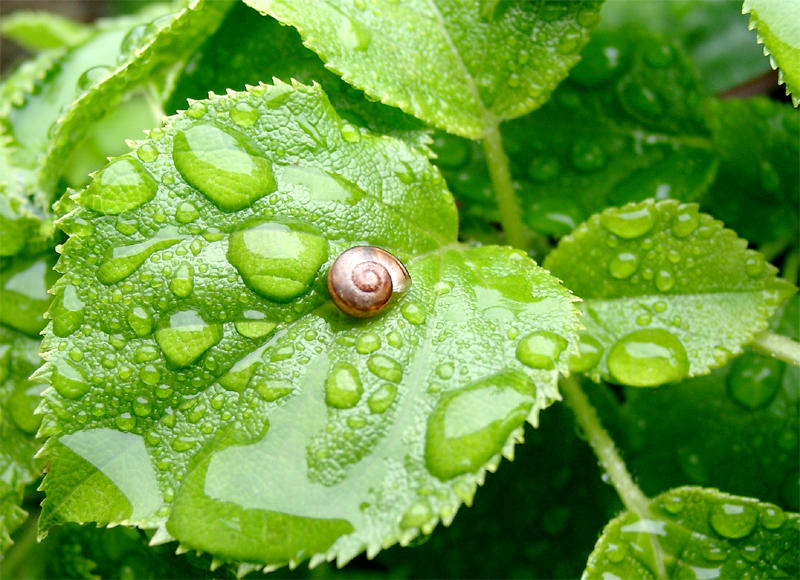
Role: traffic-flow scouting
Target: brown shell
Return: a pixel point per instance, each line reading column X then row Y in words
column 363, row 279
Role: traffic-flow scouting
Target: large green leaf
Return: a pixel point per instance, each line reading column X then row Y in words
column 668, row 293
column 461, row 66
column 714, row 34
column 700, row 533
column 205, row 385
column 248, row 48
column 758, row 182
column 778, row 28
column 627, row 124
column 43, row 30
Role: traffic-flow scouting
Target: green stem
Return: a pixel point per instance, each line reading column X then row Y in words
column 497, row 161
column 20, row 560
column 777, row 346
column 610, row 459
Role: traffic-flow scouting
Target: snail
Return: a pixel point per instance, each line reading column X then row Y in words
column 363, row 279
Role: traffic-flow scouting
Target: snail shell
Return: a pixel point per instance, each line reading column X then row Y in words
column 363, row 279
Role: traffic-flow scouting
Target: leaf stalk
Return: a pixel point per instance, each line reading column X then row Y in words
column 778, row 346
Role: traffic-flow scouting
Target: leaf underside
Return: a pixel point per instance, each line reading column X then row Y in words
column 460, row 68
column 667, row 292
column 205, row 385
column 700, row 533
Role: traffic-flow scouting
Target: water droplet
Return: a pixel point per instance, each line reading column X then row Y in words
column 142, row 406
column 244, row 114
column 122, row 261
column 124, row 184
column 125, row 422
column 182, row 283
column 544, row 168
column 640, row 100
column 381, row 399
column 541, row 349
column 598, row 64
column 657, row 54
column 395, row 339
column 673, row 504
column 254, row 324
column 149, row 375
column 385, row 368
column 772, row 517
column 629, row 222
column 352, row 34
column 673, row 255
column 184, row 336
column 647, row 358
column 226, row 168
column 68, row 381
column 685, row 221
column 623, row 265
column 751, row 553
column 134, row 38
column 470, row 425
column 753, row 264
column 733, row 521
column 350, row 133
column 277, row 261
column 67, row 311
column 140, row 321
column 196, row 110
column 343, row 387
column 644, row 319
column 92, row 76
column 664, row 280
column 570, row 42
column 615, row 552
column 445, row 370
column 147, row 152
column 272, row 390
column 413, row 312
column 754, row 380
column 660, row 306
column 318, row 185
column 417, row 515
column 186, row 213
column 368, row 343
column 587, row 157
column 590, row 351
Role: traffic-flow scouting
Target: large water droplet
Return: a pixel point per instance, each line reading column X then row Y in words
column 140, row 321
column 469, row 426
column 418, row 514
column 641, row 100
column 121, row 186
column 629, row 222
column 277, row 261
column 92, row 76
column 186, row 213
column 343, row 387
column 413, row 312
column 67, row 311
column 122, row 261
column 385, row 368
column 352, row 34
column 318, row 185
column 647, row 358
column 182, row 283
column 184, row 336
column 754, row 380
column 772, row 517
column 253, row 324
column 623, row 265
column 733, row 520
column 685, row 221
column 225, row 167
column 244, row 114
column 664, row 280
column 590, row 351
column 381, row 399
column 541, row 349
column 587, row 156
column 368, row 343
column 68, row 381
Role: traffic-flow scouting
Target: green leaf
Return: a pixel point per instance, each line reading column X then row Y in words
column 778, row 27
column 700, row 533
column 19, row 357
column 605, row 138
column 225, row 390
column 736, row 428
column 668, row 293
column 248, row 48
column 459, row 67
column 758, row 182
column 43, row 30
column 714, row 34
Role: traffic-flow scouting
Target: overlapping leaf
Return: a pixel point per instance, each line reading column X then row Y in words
column 43, row 30
column 249, row 48
column 778, row 28
column 627, row 124
column 668, row 292
column 205, row 385
column 460, row 67
column 700, row 533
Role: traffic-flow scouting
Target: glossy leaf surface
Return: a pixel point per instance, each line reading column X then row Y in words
column 460, row 67
column 225, row 389
column 778, row 27
column 700, row 533
column 668, row 292
column 605, row 138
